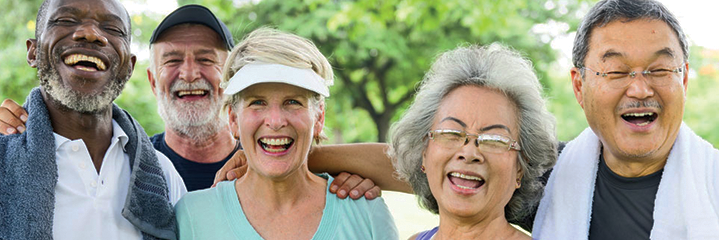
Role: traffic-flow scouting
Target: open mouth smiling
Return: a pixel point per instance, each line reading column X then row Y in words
column 464, row 181
column 191, row 93
column 640, row 118
column 84, row 62
column 276, row 145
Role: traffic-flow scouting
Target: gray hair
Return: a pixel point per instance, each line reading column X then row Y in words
column 153, row 65
column 495, row 67
column 608, row 11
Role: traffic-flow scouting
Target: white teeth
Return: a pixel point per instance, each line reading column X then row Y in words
column 75, row 58
column 190, row 92
column 459, row 175
column 645, row 114
column 276, row 141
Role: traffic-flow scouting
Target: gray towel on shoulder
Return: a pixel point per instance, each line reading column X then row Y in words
column 28, row 175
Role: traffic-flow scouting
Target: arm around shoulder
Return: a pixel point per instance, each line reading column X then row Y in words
column 368, row 160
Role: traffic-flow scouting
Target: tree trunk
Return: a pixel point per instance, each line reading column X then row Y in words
column 383, row 123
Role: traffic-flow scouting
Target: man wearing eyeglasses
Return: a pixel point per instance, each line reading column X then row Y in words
column 637, row 172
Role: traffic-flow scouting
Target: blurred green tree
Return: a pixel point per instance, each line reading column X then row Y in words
column 701, row 104
column 381, row 49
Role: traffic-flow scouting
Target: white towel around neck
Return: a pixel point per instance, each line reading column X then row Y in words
column 687, row 202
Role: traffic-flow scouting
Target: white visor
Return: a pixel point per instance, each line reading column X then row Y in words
column 261, row 72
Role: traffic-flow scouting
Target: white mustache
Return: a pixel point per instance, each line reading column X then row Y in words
column 201, row 84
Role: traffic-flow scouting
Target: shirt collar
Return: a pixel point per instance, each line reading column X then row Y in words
column 117, row 133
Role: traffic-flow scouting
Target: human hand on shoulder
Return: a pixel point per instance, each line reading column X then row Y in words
column 233, row 169
column 354, row 186
column 12, row 117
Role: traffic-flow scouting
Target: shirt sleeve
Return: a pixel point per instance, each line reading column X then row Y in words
column 383, row 226
column 184, row 220
column 174, row 181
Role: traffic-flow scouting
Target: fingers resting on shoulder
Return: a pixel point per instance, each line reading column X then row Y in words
column 12, row 117
column 233, row 168
column 355, row 186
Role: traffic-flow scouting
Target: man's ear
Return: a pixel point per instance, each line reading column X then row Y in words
column 577, row 83
column 685, row 78
column 133, row 59
column 151, row 78
column 31, row 45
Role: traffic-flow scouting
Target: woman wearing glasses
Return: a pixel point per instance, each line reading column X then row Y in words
column 474, row 143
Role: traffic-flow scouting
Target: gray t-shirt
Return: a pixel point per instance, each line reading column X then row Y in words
column 623, row 207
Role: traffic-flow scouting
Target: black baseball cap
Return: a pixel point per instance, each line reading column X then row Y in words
column 194, row 14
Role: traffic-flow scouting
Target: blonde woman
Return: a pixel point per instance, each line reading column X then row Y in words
column 275, row 85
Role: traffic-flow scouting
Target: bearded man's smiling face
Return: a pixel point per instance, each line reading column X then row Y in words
column 82, row 53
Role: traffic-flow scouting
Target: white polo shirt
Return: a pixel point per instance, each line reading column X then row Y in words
column 88, row 205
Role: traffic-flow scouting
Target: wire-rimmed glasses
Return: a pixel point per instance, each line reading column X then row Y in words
column 660, row 76
column 488, row 143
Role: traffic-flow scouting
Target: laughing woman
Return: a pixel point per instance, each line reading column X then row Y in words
column 276, row 84
column 474, row 143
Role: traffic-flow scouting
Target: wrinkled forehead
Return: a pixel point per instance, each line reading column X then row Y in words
column 641, row 39
column 479, row 109
column 193, row 34
column 97, row 9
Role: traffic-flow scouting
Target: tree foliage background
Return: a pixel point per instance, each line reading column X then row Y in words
column 379, row 50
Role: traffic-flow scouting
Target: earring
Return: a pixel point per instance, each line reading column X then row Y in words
column 519, row 183
column 423, row 169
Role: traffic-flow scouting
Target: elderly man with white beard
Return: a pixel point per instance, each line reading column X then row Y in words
column 187, row 52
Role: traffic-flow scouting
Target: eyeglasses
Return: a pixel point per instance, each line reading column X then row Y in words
column 656, row 77
column 487, row 143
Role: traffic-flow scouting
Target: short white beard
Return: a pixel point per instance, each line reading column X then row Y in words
column 197, row 121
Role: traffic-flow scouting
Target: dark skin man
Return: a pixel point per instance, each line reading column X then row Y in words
column 84, row 49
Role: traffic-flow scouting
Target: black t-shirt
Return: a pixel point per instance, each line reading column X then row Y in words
column 195, row 175
column 623, row 207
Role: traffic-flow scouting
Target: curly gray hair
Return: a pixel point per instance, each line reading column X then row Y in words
column 495, row 67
